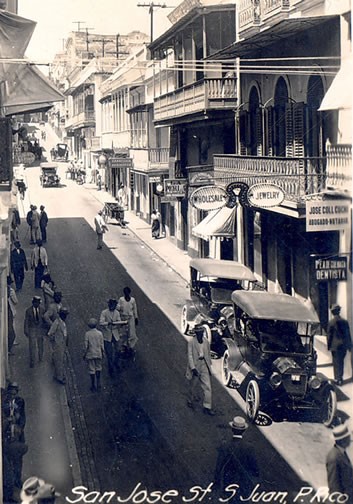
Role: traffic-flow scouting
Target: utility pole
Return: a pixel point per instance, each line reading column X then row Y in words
column 78, row 24
column 87, row 39
column 151, row 6
column 104, row 41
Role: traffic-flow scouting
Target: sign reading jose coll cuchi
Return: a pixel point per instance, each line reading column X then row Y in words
column 327, row 215
column 209, row 198
column 265, row 195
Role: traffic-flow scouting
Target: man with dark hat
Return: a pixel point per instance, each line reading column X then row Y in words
column 13, row 407
column 236, row 463
column 199, row 369
column 59, row 341
column 29, row 222
column 338, row 342
column 94, row 353
column 35, row 228
column 18, row 264
column 43, row 222
column 339, row 467
column 34, row 330
column 110, row 322
column 101, row 228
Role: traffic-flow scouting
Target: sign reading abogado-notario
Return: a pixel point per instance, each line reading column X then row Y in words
column 209, row 198
column 327, row 215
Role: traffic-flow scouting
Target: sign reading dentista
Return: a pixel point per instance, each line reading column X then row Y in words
column 209, row 198
column 265, row 195
column 327, row 215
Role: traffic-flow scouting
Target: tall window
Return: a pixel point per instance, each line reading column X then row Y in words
column 255, row 122
column 281, row 100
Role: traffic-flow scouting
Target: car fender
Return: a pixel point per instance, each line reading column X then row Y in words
column 235, row 358
column 191, row 311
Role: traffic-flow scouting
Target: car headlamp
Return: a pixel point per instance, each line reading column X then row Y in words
column 314, row 383
column 275, row 379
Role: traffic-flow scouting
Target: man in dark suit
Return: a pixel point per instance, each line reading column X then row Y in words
column 43, row 222
column 338, row 342
column 34, row 328
column 18, row 265
column 339, row 467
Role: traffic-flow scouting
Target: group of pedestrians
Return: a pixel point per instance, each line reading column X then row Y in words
column 113, row 336
column 37, row 222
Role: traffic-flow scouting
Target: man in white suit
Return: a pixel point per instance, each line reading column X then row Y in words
column 110, row 323
column 199, row 369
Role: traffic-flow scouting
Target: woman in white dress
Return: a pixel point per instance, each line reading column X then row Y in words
column 128, row 311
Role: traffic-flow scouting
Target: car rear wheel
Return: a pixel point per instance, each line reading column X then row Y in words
column 185, row 326
column 329, row 408
column 226, row 374
column 252, row 400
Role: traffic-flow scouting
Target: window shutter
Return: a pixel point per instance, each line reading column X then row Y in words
column 298, row 129
column 244, row 132
column 259, row 135
column 268, row 147
column 289, row 131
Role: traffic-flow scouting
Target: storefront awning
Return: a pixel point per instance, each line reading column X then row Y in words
column 339, row 94
column 28, row 90
column 219, row 223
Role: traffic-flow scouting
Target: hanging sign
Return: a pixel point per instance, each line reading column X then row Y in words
column 175, row 188
column 334, row 268
column 209, row 198
column 327, row 215
column 265, row 195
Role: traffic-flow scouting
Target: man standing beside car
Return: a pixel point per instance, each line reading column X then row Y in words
column 338, row 342
column 199, row 369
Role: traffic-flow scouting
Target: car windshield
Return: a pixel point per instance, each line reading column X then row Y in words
column 49, row 171
column 282, row 336
column 221, row 289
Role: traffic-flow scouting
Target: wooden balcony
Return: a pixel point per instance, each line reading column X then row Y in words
column 84, row 118
column 255, row 12
column 298, row 177
column 339, row 167
column 150, row 159
column 204, row 95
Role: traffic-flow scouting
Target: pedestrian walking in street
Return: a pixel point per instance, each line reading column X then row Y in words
column 237, row 464
column 13, row 407
column 128, row 312
column 59, row 341
column 101, row 228
column 155, row 224
column 18, row 265
column 48, row 286
column 34, row 330
column 29, row 222
column 94, row 353
column 110, row 323
column 15, row 449
column 35, row 228
column 39, row 262
column 52, row 312
column 339, row 467
column 199, row 369
column 15, row 222
column 43, row 222
column 11, row 313
column 338, row 342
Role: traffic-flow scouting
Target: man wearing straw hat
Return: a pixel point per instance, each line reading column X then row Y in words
column 338, row 466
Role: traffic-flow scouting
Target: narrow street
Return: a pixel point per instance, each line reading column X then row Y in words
column 139, row 429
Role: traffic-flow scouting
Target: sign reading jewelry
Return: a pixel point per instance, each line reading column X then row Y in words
column 327, row 215
column 265, row 195
column 209, row 198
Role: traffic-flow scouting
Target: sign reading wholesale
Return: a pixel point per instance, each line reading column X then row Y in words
column 328, row 215
column 334, row 268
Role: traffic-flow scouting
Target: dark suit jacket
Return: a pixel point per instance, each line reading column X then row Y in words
column 18, row 260
column 338, row 334
column 32, row 328
column 339, row 472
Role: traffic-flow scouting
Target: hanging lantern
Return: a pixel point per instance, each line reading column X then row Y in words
column 102, row 160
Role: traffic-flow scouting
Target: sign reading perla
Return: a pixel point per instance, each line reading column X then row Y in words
column 209, row 198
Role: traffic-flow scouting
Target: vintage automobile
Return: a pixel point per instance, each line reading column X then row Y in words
column 271, row 359
column 48, row 175
column 60, row 152
column 212, row 282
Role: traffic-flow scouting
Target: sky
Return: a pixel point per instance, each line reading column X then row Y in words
column 55, row 20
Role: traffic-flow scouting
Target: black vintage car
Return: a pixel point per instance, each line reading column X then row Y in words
column 271, row 358
column 212, row 282
column 48, row 175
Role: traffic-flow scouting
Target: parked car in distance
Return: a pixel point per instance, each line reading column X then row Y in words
column 212, row 282
column 60, row 152
column 48, row 175
column 271, row 359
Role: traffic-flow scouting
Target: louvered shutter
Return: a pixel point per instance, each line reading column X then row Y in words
column 289, row 130
column 298, row 129
column 269, row 122
column 243, row 132
column 259, row 135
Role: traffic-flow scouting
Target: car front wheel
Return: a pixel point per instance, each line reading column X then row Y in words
column 252, row 399
column 184, row 321
column 226, row 373
column 329, row 408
